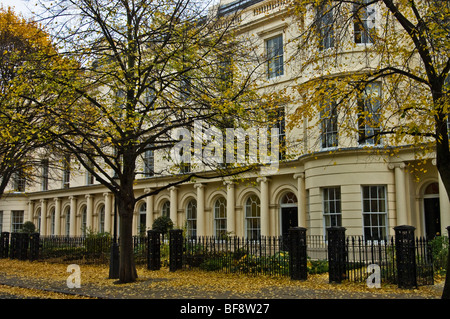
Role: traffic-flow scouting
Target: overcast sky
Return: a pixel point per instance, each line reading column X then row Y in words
column 22, row 6
column 26, row 6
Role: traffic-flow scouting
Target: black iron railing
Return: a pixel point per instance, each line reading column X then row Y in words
column 403, row 259
column 237, row 255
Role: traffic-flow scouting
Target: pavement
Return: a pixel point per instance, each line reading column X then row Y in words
column 158, row 288
column 186, row 294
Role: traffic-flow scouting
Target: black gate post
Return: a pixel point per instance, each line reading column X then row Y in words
column 336, row 254
column 23, row 246
column 4, row 245
column 175, row 249
column 297, row 253
column 34, row 246
column 154, row 250
column 13, row 250
column 406, row 256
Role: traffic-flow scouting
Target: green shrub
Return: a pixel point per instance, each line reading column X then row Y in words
column 317, row 266
column 439, row 250
column 162, row 224
column 28, row 227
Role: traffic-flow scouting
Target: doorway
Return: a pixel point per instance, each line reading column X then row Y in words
column 432, row 212
column 289, row 216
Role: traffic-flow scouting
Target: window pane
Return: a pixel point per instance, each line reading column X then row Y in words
column 252, row 213
column 220, row 217
column 326, row 28
column 374, row 212
column 332, row 206
column 275, row 62
column 17, row 220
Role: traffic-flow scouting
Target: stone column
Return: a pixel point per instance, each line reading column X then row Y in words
column 108, row 211
column 174, row 205
column 301, row 199
column 150, row 208
column 30, row 211
column 200, row 209
column 400, row 193
column 444, row 206
column 73, row 215
column 231, row 214
column 264, row 185
column 89, row 212
column 57, row 216
column 43, row 229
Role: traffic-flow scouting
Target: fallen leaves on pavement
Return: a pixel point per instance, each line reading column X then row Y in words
column 195, row 283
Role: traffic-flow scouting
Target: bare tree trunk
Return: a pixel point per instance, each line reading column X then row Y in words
column 443, row 167
column 127, row 267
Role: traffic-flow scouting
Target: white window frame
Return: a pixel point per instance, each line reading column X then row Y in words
column 191, row 218
column 332, row 208
column 325, row 22
column 251, row 219
column 275, row 56
column 165, row 208
column 142, row 212
column 365, row 23
column 375, row 213
column 220, row 206
column 101, row 219
column 17, row 219
column 329, row 126
column 84, row 221
column 366, row 104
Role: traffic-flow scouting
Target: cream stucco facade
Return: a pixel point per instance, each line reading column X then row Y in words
column 366, row 191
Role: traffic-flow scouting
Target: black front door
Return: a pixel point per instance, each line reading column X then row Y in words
column 432, row 217
column 289, row 218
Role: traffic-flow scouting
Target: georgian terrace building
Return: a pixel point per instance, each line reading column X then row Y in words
column 366, row 192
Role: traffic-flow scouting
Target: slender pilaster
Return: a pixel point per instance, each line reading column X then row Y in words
column 400, row 193
column 200, row 209
column 30, row 211
column 264, row 185
column 57, row 216
column 89, row 211
column 174, row 205
column 444, row 206
column 301, row 199
column 43, row 229
column 108, row 211
column 73, row 215
column 150, row 208
column 231, row 214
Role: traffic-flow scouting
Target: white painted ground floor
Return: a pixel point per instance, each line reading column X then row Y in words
column 367, row 194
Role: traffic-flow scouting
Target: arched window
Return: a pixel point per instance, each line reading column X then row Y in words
column 83, row 221
column 38, row 222
column 191, row 218
column 253, row 217
column 220, row 217
column 289, row 198
column 53, row 221
column 432, row 189
column 165, row 210
column 67, row 217
column 101, row 219
column 142, row 219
